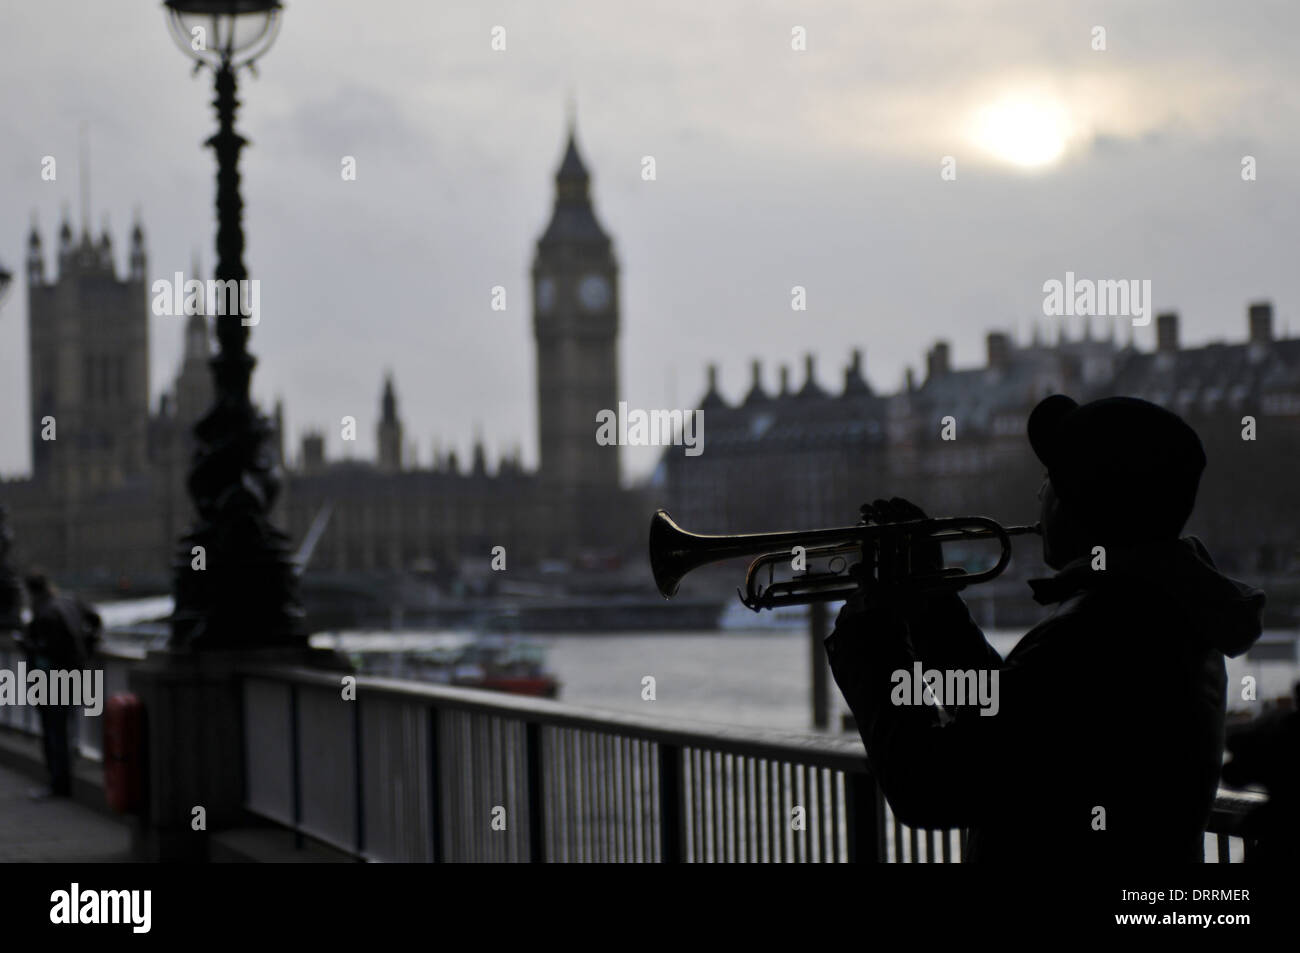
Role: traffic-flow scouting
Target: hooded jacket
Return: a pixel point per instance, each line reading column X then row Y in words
column 1105, row 737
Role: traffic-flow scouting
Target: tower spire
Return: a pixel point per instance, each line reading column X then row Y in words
column 389, row 400
column 572, row 177
column 65, row 233
column 390, row 429
column 35, row 259
column 136, row 267
column 574, row 220
column 84, row 180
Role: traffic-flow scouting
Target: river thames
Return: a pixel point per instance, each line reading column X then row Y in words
column 751, row 679
column 755, row 679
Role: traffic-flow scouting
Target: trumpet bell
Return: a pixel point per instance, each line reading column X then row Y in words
column 668, row 553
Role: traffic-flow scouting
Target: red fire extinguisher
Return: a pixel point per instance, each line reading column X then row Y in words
column 123, row 752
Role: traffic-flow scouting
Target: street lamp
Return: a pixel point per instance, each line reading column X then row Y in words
column 235, row 584
column 220, row 32
column 11, row 596
column 11, row 600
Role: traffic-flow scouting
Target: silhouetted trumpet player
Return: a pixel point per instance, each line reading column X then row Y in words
column 1108, row 735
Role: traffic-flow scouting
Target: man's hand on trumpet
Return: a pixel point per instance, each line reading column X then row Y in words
column 874, row 589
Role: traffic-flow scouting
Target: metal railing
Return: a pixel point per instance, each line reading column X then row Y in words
column 415, row 772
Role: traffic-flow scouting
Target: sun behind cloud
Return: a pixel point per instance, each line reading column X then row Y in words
column 1028, row 130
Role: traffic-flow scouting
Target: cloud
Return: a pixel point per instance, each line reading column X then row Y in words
column 353, row 118
column 775, row 168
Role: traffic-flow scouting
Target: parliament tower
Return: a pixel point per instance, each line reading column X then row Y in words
column 89, row 387
column 575, row 324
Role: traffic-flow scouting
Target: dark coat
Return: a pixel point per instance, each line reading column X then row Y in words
column 1115, row 701
column 62, row 633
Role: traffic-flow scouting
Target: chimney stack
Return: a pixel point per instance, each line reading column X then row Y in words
column 313, row 452
column 756, row 383
column 937, row 361
column 999, row 349
column 1167, row 332
column 1261, row 322
column 711, row 396
column 853, row 380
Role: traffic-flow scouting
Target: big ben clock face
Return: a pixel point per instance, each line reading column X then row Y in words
column 594, row 293
column 545, row 295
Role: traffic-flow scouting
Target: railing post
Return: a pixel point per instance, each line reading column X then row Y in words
column 536, row 814
column 864, row 816
column 435, row 802
column 671, row 801
column 359, row 778
column 819, row 666
column 295, row 766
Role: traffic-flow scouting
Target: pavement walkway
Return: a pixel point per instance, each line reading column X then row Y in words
column 55, row 830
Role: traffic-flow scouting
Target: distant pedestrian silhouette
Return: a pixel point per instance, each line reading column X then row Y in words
column 61, row 636
column 1108, row 737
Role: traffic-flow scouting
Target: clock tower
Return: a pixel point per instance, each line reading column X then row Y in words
column 575, row 324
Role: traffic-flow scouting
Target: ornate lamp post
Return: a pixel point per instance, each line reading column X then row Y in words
column 235, row 585
column 11, row 597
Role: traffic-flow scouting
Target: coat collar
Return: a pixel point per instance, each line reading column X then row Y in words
column 1073, row 577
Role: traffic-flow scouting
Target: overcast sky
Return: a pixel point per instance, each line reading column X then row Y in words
column 775, row 168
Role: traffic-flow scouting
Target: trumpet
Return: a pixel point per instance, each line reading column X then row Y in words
column 885, row 549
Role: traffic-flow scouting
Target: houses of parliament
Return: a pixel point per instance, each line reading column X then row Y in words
column 106, row 499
